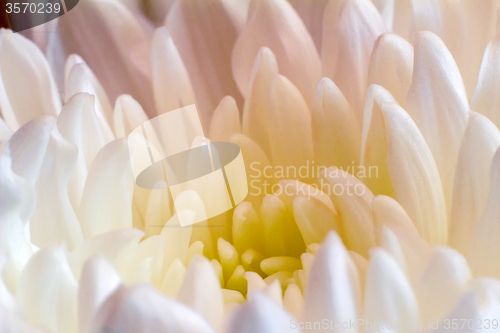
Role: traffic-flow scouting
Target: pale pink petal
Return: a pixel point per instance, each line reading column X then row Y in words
column 127, row 116
column 111, row 29
column 207, row 59
column 225, row 120
column 171, row 84
column 311, row 13
column 349, row 32
column 276, row 25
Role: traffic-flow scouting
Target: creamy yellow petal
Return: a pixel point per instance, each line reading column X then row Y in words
column 353, row 201
column 237, row 280
column 336, row 131
column 276, row 264
column 386, row 210
column 172, row 280
column 228, row 258
column 225, row 120
column 293, row 301
column 247, row 228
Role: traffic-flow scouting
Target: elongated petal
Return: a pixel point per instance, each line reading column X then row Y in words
column 5, row 131
column 208, row 61
column 255, row 122
column 201, row 291
column 442, row 284
column 287, row 110
column 353, row 201
column 389, row 296
column 472, row 179
column 311, row 13
column 247, row 228
column 127, row 116
column 177, row 241
column 260, row 314
column 314, row 219
column 159, row 211
column 485, row 100
column 274, row 24
column 17, row 202
column 225, row 120
column 386, row 210
column 171, row 84
column 114, row 245
column 143, row 309
column 80, row 79
column 483, row 252
column 391, row 65
column 110, row 27
column 336, row 131
column 412, row 171
column 55, row 221
column 437, row 102
column 25, row 72
column 28, row 146
column 333, row 285
column 98, row 281
column 107, row 198
column 49, row 299
column 349, row 32
column 89, row 82
column 79, row 124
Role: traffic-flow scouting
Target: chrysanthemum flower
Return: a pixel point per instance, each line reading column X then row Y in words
column 369, row 131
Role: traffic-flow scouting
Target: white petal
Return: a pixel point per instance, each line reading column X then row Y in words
column 208, row 61
column 171, row 84
column 472, row 179
column 127, row 116
column 79, row 124
column 260, row 314
column 78, row 77
column 54, row 219
column 274, row 24
column 442, row 284
column 28, row 146
column 107, row 198
column 17, row 202
column 485, row 99
column 25, row 72
column 333, row 285
column 349, row 32
column 389, row 296
column 5, row 131
column 98, row 281
column 484, row 251
column 48, row 291
column 142, row 309
column 391, row 65
column 110, row 27
column 437, row 102
column 201, row 291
